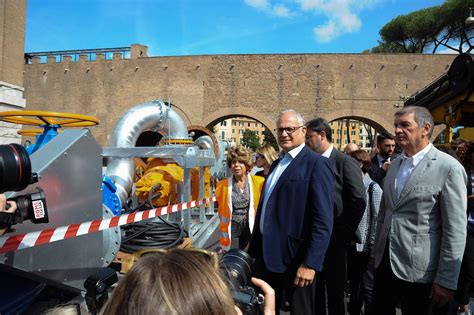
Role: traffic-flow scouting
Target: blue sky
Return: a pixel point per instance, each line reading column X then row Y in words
column 201, row 27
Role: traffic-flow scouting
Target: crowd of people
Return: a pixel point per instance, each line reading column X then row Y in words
column 394, row 229
column 390, row 229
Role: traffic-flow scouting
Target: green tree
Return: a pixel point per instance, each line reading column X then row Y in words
column 250, row 140
column 268, row 138
column 428, row 29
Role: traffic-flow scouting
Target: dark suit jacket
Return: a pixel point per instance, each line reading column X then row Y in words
column 376, row 172
column 299, row 215
column 349, row 196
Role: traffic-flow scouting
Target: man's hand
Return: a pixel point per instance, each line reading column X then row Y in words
column 386, row 165
column 3, row 205
column 268, row 296
column 304, row 276
column 440, row 295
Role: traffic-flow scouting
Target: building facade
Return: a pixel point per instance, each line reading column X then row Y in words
column 233, row 129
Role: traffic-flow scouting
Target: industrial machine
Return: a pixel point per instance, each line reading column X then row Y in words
column 79, row 189
column 450, row 98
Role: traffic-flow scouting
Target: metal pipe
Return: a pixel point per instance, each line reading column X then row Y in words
column 151, row 115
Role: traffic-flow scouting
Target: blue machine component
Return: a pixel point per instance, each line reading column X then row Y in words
column 49, row 132
column 109, row 196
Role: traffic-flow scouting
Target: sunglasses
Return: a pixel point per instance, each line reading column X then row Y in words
column 209, row 256
column 259, row 156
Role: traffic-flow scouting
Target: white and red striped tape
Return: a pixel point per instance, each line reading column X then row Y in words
column 32, row 239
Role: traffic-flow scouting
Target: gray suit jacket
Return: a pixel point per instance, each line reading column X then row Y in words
column 426, row 226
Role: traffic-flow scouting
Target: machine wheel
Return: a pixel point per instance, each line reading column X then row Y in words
column 32, row 132
column 41, row 118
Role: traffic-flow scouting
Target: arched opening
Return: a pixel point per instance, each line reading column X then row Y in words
column 358, row 130
column 242, row 130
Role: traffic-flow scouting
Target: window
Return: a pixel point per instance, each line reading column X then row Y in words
column 345, row 141
column 248, row 125
column 224, row 123
column 353, row 133
column 241, row 124
column 223, row 135
column 233, row 130
column 338, row 141
column 234, row 123
column 345, row 132
column 256, row 125
column 339, row 131
column 241, row 131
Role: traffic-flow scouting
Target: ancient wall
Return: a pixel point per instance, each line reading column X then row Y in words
column 206, row 89
column 12, row 46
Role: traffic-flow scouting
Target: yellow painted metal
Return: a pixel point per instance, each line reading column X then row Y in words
column 38, row 117
column 176, row 141
column 166, row 178
column 32, row 132
column 450, row 115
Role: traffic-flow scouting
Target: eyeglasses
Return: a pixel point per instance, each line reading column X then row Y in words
column 289, row 130
column 212, row 257
column 258, row 156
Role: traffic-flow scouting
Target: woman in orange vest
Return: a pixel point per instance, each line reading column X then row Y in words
column 238, row 198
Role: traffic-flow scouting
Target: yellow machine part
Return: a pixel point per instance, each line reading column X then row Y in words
column 450, row 115
column 166, row 178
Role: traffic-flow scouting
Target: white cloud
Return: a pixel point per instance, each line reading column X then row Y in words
column 326, row 32
column 281, row 10
column 266, row 6
column 258, row 4
column 341, row 16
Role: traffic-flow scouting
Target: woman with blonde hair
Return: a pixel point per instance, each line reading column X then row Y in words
column 264, row 158
column 238, row 197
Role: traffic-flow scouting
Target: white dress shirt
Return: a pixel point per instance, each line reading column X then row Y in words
column 328, row 152
column 407, row 167
column 274, row 176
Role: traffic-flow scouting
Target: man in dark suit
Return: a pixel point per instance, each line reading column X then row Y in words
column 294, row 218
column 381, row 161
column 349, row 207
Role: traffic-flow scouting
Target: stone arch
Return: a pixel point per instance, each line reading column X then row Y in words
column 380, row 123
column 240, row 111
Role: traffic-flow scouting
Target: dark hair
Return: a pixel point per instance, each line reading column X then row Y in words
column 383, row 136
column 364, row 158
column 320, row 124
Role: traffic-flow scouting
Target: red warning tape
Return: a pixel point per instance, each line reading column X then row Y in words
column 32, row 239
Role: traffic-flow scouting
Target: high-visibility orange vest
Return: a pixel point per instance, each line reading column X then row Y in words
column 224, row 199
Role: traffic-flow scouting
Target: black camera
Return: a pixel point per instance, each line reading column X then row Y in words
column 16, row 175
column 97, row 286
column 235, row 266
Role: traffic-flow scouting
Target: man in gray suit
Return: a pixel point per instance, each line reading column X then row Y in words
column 421, row 229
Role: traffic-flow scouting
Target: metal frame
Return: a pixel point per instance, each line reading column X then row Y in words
column 187, row 157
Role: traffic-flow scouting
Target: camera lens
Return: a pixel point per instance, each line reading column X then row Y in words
column 15, row 168
column 236, row 265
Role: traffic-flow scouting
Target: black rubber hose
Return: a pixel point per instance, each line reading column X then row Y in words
column 138, row 236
